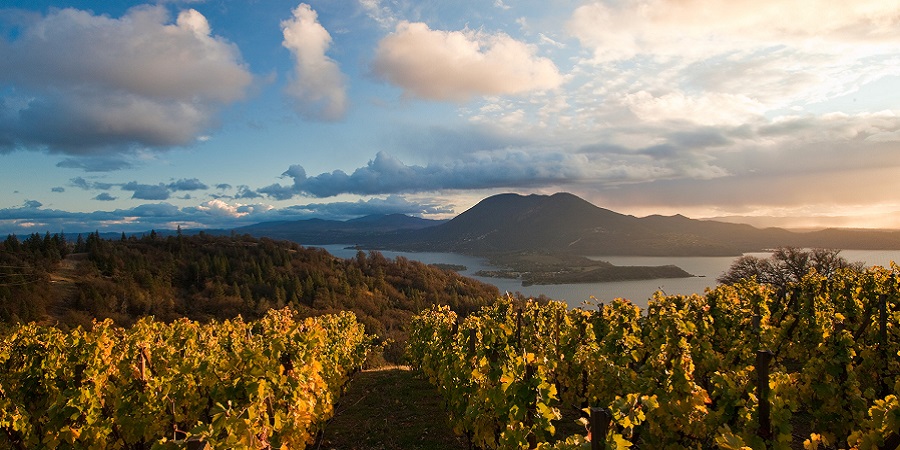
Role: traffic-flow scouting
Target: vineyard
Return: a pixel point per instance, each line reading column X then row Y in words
column 813, row 366
column 271, row 383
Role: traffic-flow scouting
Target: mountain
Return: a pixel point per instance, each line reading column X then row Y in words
column 511, row 223
column 363, row 230
column 563, row 223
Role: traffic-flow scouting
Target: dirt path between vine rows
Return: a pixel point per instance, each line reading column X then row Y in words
column 390, row 408
column 63, row 286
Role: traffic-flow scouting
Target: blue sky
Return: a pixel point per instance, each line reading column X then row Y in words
column 127, row 116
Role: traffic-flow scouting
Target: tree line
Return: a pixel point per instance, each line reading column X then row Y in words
column 205, row 277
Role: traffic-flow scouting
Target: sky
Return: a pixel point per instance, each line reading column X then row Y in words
column 129, row 116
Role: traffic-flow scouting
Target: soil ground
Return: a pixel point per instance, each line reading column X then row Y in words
column 390, row 408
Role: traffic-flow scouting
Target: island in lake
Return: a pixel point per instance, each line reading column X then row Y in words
column 558, row 268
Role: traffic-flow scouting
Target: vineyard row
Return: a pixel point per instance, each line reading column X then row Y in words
column 271, row 383
column 743, row 366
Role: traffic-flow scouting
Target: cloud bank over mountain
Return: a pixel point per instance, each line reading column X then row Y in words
column 212, row 110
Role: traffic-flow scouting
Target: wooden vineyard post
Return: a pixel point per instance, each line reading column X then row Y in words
column 882, row 342
column 600, row 418
column 763, row 358
column 882, row 320
column 757, row 318
column 531, row 408
column 519, row 345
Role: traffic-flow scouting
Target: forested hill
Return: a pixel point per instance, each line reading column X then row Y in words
column 204, row 277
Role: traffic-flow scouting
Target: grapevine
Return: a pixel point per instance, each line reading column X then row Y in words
column 233, row 384
column 685, row 373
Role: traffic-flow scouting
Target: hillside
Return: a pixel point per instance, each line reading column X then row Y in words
column 206, row 277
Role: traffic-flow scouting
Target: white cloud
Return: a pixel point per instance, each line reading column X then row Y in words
column 193, row 20
column 766, row 55
column 706, row 109
column 697, row 27
column 457, row 65
column 221, row 209
column 379, row 13
column 80, row 83
column 318, row 86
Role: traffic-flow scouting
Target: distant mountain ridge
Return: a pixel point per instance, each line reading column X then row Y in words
column 354, row 231
column 563, row 223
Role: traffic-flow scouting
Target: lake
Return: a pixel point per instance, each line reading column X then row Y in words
column 706, row 269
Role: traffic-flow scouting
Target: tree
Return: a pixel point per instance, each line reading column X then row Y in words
column 12, row 243
column 787, row 265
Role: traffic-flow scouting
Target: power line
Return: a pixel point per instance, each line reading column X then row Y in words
column 21, row 283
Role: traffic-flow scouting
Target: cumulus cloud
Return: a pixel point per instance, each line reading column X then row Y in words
column 388, row 175
column 392, row 204
column 104, row 197
column 245, row 192
column 318, row 86
column 83, row 84
column 82, row 183
column 632, row 162
column 192, row 184
column 147, row 191
column 58, row 189
column 457, row 65
column 142, row 191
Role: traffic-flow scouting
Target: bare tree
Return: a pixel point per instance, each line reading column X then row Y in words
column 787, row 265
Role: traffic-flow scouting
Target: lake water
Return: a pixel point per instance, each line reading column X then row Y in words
column 706, row 270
